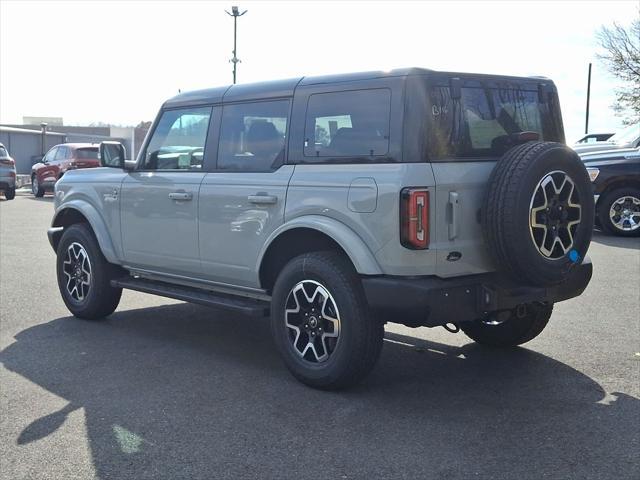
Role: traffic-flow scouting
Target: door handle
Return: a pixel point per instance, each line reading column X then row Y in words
column 453, row 220
column 262, row 199
column 185, row 196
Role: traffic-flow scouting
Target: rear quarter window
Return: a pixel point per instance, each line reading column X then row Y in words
column 346, row 124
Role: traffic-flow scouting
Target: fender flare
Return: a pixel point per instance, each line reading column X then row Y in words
column 358, row 252
column 97, row 224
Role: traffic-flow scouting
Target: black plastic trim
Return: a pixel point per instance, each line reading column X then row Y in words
column 433, row 301
column 246, row 306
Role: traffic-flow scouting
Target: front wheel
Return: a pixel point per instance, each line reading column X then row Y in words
column 321, row 324
column 519, row 326
column 619, row 212
column 84, row 275
column 36, row 189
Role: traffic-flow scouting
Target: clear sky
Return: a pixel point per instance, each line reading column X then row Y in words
column 117, row 61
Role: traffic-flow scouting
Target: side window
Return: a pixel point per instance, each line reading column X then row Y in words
column 178, row 140
column 50, row 155
column 62, row 154
column 253, row 136
column 347, row 124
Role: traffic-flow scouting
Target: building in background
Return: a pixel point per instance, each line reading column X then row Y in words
column 51, row 121
column 25, row 143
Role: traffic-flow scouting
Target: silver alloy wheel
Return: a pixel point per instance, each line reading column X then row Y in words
column 312, row 320
column 625, row 213
column 34, row 186
column 555, row 214
column 77, row 268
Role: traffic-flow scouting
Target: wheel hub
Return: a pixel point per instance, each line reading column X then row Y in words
column 555, row 213
column 625, row 213
column 76, row 266
column 312, row 320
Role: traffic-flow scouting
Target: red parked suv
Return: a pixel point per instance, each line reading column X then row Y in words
column 63, row 157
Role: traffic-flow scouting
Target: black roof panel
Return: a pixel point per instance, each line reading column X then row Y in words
column 285, row 88
column 197, row 97
column 261, row 90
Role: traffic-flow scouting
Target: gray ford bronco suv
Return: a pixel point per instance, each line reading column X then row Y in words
column 336, row 204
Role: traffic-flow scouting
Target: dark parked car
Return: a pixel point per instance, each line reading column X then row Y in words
column 59, row 160
column 615, row 176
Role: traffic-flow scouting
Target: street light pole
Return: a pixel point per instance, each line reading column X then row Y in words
column 43, row 139
column 586, row 121
column 235, row 14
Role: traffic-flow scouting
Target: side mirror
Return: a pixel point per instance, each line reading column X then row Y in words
column 112, row 154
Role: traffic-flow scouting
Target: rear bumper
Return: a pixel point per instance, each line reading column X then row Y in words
column 433, row 301
column 7, row 182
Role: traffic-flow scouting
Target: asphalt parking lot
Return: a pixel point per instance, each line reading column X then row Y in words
column 168, row 390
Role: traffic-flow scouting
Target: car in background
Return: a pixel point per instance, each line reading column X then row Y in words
column 59, row 160
column 627, row 138
column 615, row 176
column 591, row 138
column 7, row 173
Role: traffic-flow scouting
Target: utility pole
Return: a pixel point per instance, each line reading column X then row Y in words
column 235, row 14
column 43, row 139
column 586, row 123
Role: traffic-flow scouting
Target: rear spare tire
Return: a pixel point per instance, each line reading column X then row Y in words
column 538, row 212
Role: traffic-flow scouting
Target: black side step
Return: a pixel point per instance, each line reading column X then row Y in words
column 246, row 306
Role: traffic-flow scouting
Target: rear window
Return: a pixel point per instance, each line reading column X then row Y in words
column 480, row 122
column 3, row 152
column 87, row 153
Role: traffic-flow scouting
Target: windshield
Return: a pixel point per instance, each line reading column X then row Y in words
column 87, row 153
column 482, row 122
column 627, row 135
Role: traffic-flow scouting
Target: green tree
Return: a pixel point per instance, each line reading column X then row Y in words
column 621, row 55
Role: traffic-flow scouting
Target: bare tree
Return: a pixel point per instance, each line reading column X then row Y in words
column 621, row 55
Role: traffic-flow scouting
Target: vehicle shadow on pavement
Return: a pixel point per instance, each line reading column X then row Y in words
column 46, row 198
column 181, row 391
column 613, row 241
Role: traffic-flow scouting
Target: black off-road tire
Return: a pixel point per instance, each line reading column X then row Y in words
column 506, row 212
column 10, row 193
column 513, row 331
column 36, row 189
column 604, row 206
column 101, row 299
column 361, row 335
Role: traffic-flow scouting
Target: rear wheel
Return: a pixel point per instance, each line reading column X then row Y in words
column 84, row 275
column 10, row 193
column 321, row 323
column 509, row 329
column 619, row 212
column 36, row 189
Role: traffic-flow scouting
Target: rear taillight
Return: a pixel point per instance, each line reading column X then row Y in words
column 414, row 218
column 7, row 161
